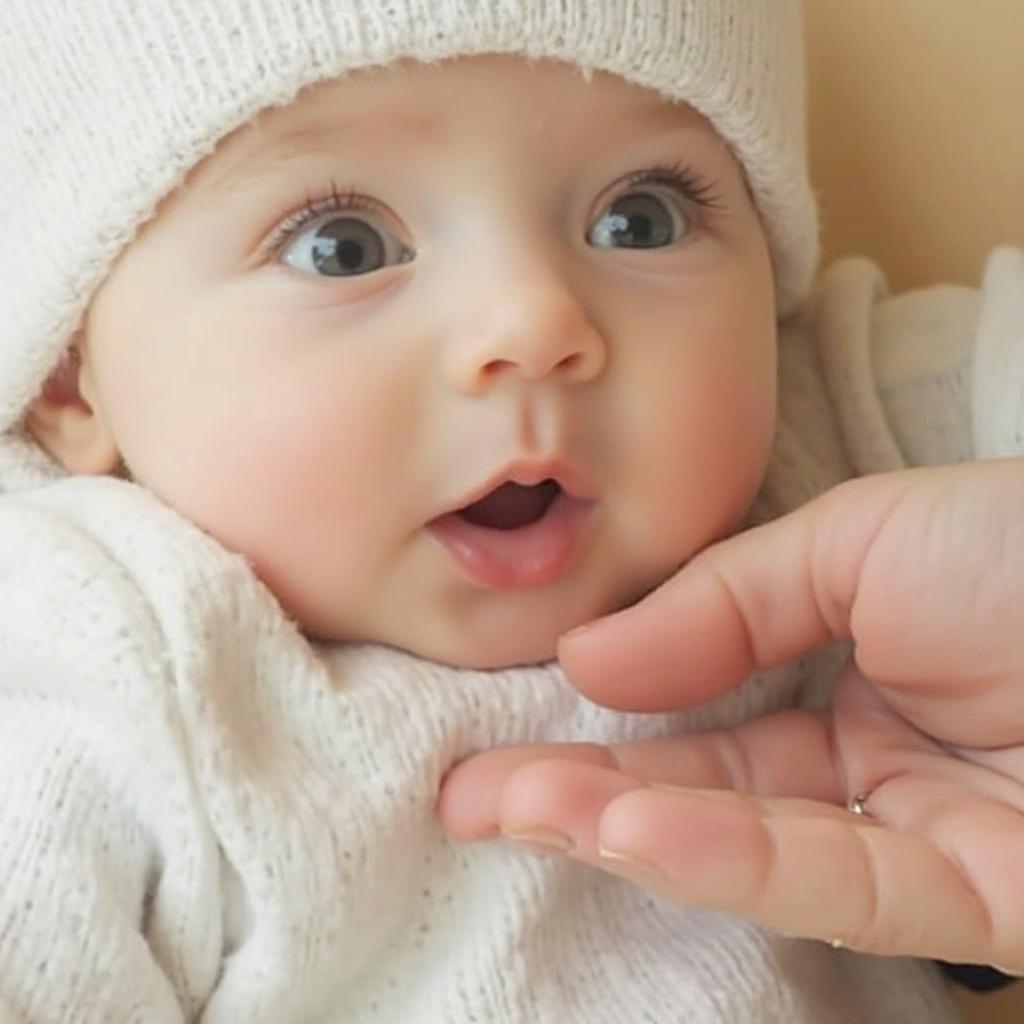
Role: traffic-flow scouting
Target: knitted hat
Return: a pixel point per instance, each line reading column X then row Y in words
column 109, row 103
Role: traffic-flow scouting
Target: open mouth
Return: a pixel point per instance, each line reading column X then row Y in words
column 518, row 535
column 512, row 506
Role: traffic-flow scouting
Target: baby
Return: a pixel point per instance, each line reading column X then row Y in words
column 350, row 350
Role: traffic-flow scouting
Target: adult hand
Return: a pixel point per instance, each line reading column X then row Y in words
column 924, row 570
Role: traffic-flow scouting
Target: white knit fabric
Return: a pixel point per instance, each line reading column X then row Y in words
column 108, row 103
column 204, row 817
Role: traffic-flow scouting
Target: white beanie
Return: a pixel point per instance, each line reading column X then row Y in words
column 107, row 104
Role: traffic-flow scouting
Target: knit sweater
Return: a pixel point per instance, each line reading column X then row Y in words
column 206, row 817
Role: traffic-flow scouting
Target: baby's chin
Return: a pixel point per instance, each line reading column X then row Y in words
column 457, row 646
column 508, row 642
column 474, row 649
column 473, row 628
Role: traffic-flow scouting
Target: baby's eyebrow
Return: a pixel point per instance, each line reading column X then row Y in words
column 260, row 152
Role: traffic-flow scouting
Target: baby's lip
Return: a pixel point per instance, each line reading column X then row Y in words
column 507, row 545
column 531, row 555
column 528, row 473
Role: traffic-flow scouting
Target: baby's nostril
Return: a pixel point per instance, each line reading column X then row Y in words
column 512, row 506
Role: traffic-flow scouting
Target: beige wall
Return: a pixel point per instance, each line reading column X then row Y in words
column 917, row 130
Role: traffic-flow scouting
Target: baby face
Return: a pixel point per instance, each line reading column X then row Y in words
column 459, row 357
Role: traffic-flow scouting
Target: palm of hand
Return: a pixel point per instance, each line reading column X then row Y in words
column 935, row 869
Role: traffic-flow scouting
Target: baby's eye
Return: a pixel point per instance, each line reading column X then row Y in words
column 651, row 217
column 343, row 246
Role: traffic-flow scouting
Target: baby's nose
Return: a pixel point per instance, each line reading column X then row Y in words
column 535, row 334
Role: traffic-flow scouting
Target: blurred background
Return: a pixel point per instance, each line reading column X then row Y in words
column 917, row 152
column 917, row 131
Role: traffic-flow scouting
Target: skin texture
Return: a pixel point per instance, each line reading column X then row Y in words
column 318, row 424
column 924, row 570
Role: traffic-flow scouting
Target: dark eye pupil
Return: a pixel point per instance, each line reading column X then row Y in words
column 347, row 246
column 636, row 221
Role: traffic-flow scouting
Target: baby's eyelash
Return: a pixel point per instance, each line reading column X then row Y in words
column 335, row 201
column 688, row 182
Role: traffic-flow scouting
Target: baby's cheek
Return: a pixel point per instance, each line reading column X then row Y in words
column 318, row 533
column 292, row 527
column 698, row 489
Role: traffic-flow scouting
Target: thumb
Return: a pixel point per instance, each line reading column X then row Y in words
column 752, row 601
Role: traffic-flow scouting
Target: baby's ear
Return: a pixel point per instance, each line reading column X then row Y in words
column 68, row 422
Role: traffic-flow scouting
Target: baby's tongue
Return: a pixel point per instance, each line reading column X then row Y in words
column 512, row 506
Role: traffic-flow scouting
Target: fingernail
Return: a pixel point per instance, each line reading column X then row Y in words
column 545, row 840
column 577, row 631
column 628, row 865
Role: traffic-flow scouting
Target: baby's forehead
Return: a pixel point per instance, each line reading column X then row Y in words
column 409, row 103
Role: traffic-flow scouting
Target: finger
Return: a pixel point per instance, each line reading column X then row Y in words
column 826, row 876
column 806, row 868
column 936, row 619
column 753, row 601
column 905, row 768
column 561, row 804
column 558, row 804
column 789, row 754
column 469, row 798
